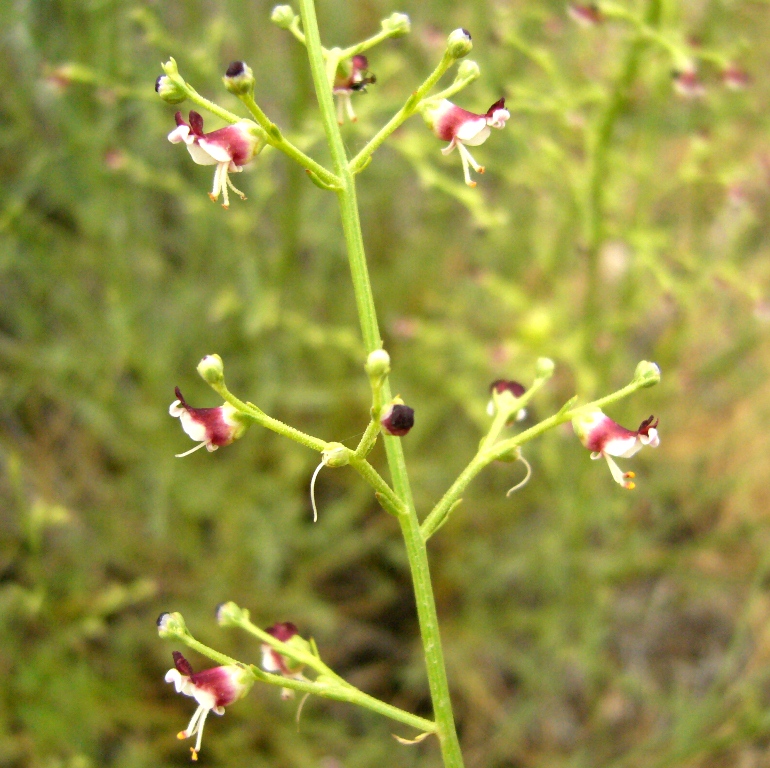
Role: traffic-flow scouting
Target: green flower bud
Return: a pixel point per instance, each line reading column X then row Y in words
column 171, row 626
column 397, row 25
column 335, row 455
column 459, row 43
column 231, row 615
column 283, row 16
column 169, row 90
column 378, row 364
column 544, row 367
column 647, row 373
column 468, row 70
column 170, row 67
column 239, row 79
column 211, row 369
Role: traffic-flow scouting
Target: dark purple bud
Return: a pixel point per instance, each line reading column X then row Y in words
column 503, row 385
column 283, row 631
column 397, row 420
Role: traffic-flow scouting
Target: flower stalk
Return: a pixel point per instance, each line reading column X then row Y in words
column 410, row 528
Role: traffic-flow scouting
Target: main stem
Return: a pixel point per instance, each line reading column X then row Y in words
column 410, row 526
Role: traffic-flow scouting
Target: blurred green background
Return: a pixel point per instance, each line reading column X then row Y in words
column 584, row 626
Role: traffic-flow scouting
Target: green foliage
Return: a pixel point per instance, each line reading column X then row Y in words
column 583, row 625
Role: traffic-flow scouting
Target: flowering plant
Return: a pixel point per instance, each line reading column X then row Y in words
column 289, row 660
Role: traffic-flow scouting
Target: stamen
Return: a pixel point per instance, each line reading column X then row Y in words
column 340, row 109
column 200, row 734
column 526, row 477
column 620, row 477
column 233, row 187
column 223, row 179
column 466, row 172
column 214, row 194
column 349, row 107
column 192, row 450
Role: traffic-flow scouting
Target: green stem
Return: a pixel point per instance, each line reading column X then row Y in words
column 331, row 686
column 251, row 410
column 488, row 454
column 276, row 139
column 215, row 109
column 365, row 45
column 415, row 546
column 410, row 107
column 599, row 141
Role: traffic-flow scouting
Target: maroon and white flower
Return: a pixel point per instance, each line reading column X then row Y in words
column 735, row 78
column 605, row 438
column 352, row 77
column 212, row 427
column 213, row 689
column 397, row 419
column 496, row 390
column 586, row 15
column 229, row 148
column 464, row 129
column 277, row 663
column 687, row 83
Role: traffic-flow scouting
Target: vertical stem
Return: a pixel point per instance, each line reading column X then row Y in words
column 599, row 143
column 410, row 527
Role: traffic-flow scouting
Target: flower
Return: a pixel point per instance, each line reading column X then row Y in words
column 587, row 15
column 397, row 419
column 213, row 689
column 497, row 388
column 212, row 427
column 605, row 438
column 735, row 78
column 277, row 663
column 229, row 148
column 460, row 128
column 687, row 83
column 352, row 76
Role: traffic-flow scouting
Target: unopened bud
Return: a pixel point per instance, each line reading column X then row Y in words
column 468, row 70
column 397, row 25
column 647, row 373
column 544, row 367
column 397, row 419
column 211, row 369
column 377, row 364
column 170, row 91
column 171, row 626
column 283, row 16
column 239, row 79
column 335, row 455
column 231, row 615
column 459, row 43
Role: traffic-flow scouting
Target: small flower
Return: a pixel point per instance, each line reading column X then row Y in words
column 460, row 128
column 277, row 663
column 587, row 15
column 397, row 419
column 497, row 388
column 735, row 78
column 229, row 148
column 352, row 77
column 687, row 83
column 605, row 438
column 212, row 427
column 213, row 689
